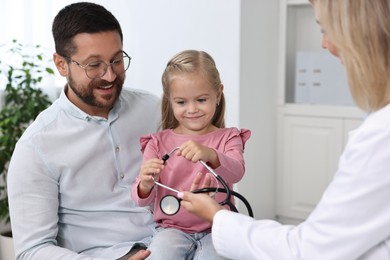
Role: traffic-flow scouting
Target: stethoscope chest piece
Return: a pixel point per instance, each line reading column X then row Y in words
column 169, row 205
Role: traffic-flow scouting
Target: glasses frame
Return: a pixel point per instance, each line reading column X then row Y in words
column 84, row 67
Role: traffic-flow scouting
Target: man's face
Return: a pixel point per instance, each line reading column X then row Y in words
column 95, row 96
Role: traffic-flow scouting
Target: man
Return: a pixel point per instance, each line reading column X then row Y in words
column 71, row 172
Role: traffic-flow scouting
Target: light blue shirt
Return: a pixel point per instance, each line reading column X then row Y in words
column 70, row 178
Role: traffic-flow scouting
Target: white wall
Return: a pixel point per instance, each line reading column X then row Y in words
column 154, row 30
column 258, row 57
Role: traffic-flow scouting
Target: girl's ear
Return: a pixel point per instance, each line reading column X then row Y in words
column 219, row 93
column 61, row 64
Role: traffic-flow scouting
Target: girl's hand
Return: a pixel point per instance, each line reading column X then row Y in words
column 149, row 169
column 194, row 152
column 201, row 204
column 201, row 181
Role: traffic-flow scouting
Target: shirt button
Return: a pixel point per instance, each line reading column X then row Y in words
column 117, row 149
column 122, row 176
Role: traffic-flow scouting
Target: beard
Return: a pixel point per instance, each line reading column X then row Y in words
column 86, row 94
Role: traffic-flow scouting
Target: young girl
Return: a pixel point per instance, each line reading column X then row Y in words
column 193, row 107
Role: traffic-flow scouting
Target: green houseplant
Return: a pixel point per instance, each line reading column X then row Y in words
column 22, row 69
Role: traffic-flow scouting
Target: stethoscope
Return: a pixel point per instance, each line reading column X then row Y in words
column 170, row 204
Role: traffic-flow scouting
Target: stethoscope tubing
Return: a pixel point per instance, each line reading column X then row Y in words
column 164, row 186
column 228, row 202
column 225, row 189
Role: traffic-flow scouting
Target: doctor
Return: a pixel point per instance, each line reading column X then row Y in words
column 352, row 220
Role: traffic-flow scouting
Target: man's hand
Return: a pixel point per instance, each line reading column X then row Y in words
column 140, row 255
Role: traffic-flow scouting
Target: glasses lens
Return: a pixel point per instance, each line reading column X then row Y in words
column 126, row 62
column 99, row 68
column 96, row 69
column 121, row 65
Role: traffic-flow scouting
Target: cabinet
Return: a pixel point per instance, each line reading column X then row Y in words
column 310, row 136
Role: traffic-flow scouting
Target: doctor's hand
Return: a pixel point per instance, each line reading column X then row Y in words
column 200, row 204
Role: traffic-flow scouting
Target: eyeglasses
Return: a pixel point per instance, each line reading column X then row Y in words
column 97, row 69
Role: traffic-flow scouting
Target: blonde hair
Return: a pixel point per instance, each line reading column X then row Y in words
column 360, row 30
column 190, row 62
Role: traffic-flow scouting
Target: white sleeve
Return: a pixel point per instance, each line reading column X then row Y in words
column 237, row 236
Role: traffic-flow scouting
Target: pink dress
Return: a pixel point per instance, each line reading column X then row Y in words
column 179, row 172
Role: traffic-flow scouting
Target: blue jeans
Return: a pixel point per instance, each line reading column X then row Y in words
column 171, row 243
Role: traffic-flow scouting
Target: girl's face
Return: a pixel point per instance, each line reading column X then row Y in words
column 194, row 102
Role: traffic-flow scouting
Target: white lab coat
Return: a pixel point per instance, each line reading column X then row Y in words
column 351, row 221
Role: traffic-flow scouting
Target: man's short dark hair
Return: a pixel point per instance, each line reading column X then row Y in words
column 82, row 17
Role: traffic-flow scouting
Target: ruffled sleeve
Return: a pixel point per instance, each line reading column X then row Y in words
column 245, row 134
column 230, row 154
column 144, row 140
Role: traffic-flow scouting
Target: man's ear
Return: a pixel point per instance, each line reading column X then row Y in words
column 61, row 64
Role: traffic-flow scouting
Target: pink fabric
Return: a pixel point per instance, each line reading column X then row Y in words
column 179, row 173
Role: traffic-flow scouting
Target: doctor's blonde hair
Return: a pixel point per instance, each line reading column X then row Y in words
column 360, row 30
column 191, row 62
